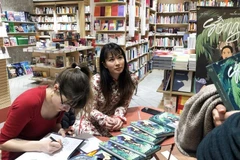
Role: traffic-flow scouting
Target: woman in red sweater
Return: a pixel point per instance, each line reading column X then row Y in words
column 38, row 111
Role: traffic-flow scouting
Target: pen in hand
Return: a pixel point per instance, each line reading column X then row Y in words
column 54, row 140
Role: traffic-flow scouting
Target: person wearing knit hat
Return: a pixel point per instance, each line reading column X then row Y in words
column 223, row 142
column 201, row 114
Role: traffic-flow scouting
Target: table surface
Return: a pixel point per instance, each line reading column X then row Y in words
column 134, row 114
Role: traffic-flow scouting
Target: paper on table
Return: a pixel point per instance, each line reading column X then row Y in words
column 69, row 145
column 90, row 144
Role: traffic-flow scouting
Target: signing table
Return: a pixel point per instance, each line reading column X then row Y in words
column 135, row 114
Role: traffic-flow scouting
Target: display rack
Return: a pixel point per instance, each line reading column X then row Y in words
column 47, row 63
column 61, row 16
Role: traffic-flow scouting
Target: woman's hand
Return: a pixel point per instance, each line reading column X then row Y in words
column 49, row 146
column 220, row 114
column 110, row 122
column 118, row 124
column 62, row 132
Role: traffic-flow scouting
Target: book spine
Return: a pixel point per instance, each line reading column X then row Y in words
column 218, row 85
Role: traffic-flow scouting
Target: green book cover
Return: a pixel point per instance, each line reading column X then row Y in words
column 153, row 128
column 140, row 147
column 167, row 119
column 225, row 76
column 144, row 136
column 119, row 152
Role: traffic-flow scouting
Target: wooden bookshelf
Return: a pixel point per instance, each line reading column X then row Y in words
column 5, row 100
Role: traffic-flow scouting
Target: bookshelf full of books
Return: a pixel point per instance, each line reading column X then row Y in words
column 61, row 16
column 21, row 31
column 47, row 63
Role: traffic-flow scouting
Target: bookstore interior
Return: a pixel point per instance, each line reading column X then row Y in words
column 180, row 37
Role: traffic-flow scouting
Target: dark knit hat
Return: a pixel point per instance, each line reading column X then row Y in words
column 223, row 142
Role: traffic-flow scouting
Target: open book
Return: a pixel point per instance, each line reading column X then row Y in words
column 70, row 144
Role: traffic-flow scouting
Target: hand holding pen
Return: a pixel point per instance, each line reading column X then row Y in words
column 50, row 145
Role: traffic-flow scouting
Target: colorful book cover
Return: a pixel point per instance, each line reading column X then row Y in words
column 97, row 25
column 97, row 11
column 120, row 25
column 119, row 152
column 112, row 25
column 121, row 10
column 114, row 10
column 138, row 146
column 108, row 11
column 144, row 136
column 59, row 61
column 104, row 25
column 182, row 81
column 166, row 119
column 102, row 155
column 153, row 128
column 225, row 76
column 102, row 10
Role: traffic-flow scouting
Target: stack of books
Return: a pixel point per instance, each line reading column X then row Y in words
column 142, row 138
column 162, row 60
column 192, row 62
column 180, row 62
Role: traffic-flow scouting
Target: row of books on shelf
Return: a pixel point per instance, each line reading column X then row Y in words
column 169, row 42
column 58, row 62
column 179, row 19
column 20, row 40
column 118, row 38
column 20, row 28
column 176, row 7
column 109, row 25
column 175, row 103
column 193, row 16
column 18, row 69
column 179, row 62
column 15, row 16
column 66, row 10
column 111, row 10
column 109, row 0
column 142, row 138
column 44, row 10
column 66, row 18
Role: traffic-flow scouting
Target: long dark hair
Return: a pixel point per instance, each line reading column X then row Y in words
column 74, row 84
column 125, row 84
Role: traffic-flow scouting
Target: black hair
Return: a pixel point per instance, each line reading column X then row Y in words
column 125, row 84
column 74, row 84
column 229, row 47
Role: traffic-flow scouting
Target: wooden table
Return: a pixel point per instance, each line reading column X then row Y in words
column 134, row 114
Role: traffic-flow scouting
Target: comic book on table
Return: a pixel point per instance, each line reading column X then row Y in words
column 225, row 76
column 100, row 155
column 144, row 136
column 119, row 152
column 135, row 145
column 166, row 119
column 152, row 128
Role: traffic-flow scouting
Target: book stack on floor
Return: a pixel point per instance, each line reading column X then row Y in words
column 142, row 138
